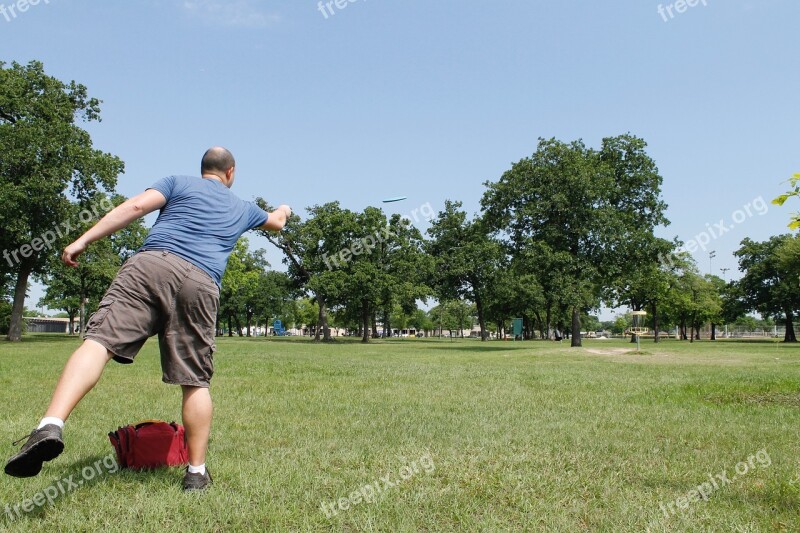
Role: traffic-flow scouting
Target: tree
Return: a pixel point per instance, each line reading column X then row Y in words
column 452, row 315
column 306, row 313
column 313, row 254
column 238, row 296
column 643, row 283
column 389, row 273
column 713, row 304
column 466, row 259
column 406, row 268
column 682, row 305
column 45, row 155
column 547, row 201
column 794, row 182
column 769, row 284
column 421, row 321
column 568, row 211
column 621, row 323
column 272, row 295
column 70, row 288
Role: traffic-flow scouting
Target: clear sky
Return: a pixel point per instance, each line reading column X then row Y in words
column 430, row 99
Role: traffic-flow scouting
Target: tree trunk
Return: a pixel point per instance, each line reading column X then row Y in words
column 375, row 327
column 239, row 325
column 540, row 323
column 789, row 336
column 548, row 318
column 71, row 322
column 17, row 310
column 713, row 331
column 481, row 318
column 365, row 322
column 322, row 321
column 230, row 326
column 249, row 322
column 654, row 310
column 576, row 328
column 82, row 315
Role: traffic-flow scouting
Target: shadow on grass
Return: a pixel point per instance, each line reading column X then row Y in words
column 478, row 348
column 44, row 337
column 87, row 472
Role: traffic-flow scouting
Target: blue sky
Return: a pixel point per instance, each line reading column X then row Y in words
column 431, row 99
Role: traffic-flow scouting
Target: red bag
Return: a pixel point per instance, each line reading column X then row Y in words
column 150, row 444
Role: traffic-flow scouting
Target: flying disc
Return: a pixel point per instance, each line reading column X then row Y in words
column 395, row 199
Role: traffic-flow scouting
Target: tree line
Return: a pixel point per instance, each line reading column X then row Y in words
column 559, row 233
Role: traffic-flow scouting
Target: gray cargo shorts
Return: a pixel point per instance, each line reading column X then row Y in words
column 160, row 292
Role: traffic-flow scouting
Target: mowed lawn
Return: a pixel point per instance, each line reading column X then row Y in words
column 449, row 435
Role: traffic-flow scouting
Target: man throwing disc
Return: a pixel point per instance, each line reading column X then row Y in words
column 170, row 287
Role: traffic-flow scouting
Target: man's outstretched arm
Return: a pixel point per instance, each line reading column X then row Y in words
column 116, row 219
column 277, row 219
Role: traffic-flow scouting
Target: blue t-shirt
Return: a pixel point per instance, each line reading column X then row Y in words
column 201, row 222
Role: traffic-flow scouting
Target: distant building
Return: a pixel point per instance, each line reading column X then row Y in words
column 46, row 325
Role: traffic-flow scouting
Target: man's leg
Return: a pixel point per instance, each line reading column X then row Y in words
column 197, row 413
column 80, row 375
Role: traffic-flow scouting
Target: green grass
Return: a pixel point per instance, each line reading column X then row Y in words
column 522, row 436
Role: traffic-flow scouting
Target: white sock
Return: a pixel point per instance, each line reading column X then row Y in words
column 197, row 469
column 51, row 420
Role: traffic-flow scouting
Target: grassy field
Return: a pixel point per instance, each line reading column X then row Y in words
column 447, row 435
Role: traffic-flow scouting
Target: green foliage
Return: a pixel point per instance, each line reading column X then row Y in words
column 421, row 321
column 97, row 266
column 621, row 323
column 794, row 183
column 311, row 251
column 246, row 291
column 5, row 316
column 354, row 263
column 771, row 281
column 576, row 216
column 454, row 316
column 306, row 312
column 590, row 323
column 466, row 259
column 48, row 160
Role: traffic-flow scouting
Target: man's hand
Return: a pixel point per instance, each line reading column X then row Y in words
column 277, row 219
column 72, row 252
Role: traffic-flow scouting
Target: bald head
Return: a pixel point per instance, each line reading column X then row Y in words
column 217, row 160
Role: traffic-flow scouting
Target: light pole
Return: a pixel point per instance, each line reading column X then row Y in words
column 711, row 255
column 724, row 278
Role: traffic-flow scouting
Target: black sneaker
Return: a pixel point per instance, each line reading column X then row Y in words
column 192, row 482
column 43, row 445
